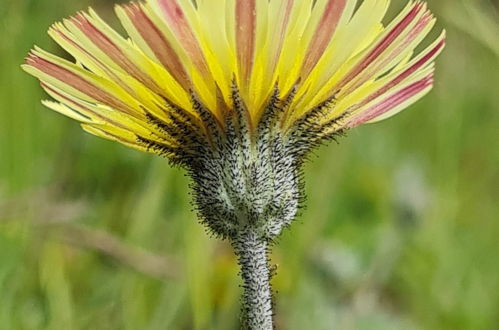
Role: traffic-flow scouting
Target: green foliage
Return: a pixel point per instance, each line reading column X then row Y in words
column 400, row 229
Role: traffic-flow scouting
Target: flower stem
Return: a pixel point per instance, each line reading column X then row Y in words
column 252, row 252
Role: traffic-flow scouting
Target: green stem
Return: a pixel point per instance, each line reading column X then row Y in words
column 252, row 253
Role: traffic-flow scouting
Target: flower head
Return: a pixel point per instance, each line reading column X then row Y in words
column 238, row 91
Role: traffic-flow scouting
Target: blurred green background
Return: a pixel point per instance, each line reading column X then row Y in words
column 401, row 228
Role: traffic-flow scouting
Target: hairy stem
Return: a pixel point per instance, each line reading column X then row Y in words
column 252, row 252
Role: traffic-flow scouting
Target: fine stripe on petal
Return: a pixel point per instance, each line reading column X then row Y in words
column 104, row 116
column 429, row 55
column 280, row 11
column 176, row 19
column 392, row 101
column 245, row 37
column 395, row 53
column 81, row 83
column 139, row 25
column 323, row 34
column 385, row 41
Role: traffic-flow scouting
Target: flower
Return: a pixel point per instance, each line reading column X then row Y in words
column 194, row 76
column 238, row 92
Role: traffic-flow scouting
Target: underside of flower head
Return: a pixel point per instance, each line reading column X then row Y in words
column 233, row 89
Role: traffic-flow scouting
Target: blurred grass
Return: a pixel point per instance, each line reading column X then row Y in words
column 400, row 229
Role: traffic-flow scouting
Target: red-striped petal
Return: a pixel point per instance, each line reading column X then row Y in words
column 102, row 41
column 180, row 26
column 391, row 102
column 425, row 59
column 382, row 45
column 323, row 34
column 75, row 81
column 158, row 44
column 245, row 36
